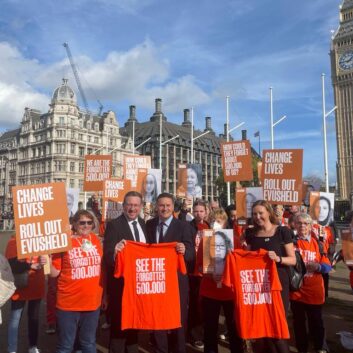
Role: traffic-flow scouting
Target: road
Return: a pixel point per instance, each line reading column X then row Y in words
column 337, row 316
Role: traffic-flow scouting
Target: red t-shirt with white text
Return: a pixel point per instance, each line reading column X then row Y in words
column 258, row 306
column 151, row 291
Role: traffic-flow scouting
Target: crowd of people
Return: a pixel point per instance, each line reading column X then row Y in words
column 83, row 284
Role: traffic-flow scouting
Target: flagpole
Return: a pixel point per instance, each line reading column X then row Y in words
column 259, row 144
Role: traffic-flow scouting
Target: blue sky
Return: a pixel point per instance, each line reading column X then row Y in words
column 189, row 53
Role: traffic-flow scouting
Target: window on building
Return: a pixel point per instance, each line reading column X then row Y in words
column 96, row 140
column 80, row 137
column 81, row 167
column 60, row 166
column 60, row 148
column 89, row 150
column 72, row 166
column 80, row 184
column 72, row 148
column 61, row 133
column 61, row 120
column 72, row 183
column 81, row 151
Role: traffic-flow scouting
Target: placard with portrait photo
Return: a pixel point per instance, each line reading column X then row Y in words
column 190, row 181
column 322, row 207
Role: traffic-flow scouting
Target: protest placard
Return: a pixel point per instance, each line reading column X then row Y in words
column 347, row 245
column 114, row 191
column 97, row 169
column 150, row 183
column 236, row 161
column 190, row 180
column 132, row 163
column 216, row 244
column 282, row 176
column 41, row 219
column 245, row 198
column 322, row 207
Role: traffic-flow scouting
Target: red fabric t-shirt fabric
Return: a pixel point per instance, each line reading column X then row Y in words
column 257, row 294
column 151, row 292
column 36, row 278
column 79, row 285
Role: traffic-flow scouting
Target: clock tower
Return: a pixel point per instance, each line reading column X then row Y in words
column 342, row 81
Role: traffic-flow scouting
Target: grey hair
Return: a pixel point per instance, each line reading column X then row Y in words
column 304, row 216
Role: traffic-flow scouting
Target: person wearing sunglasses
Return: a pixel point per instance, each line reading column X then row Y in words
column 79, row 287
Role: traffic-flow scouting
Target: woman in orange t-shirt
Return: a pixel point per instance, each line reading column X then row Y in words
column 306, row 303
column 32, row 293
column 80, row 286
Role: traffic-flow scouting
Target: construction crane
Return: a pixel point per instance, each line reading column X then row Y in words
column 77, row 78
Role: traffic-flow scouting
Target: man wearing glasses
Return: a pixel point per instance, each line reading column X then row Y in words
column 128, row 226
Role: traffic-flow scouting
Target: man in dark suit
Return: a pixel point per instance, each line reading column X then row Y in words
column 164, row 229
column 129, row 226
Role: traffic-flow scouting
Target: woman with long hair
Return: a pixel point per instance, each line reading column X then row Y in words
column 149, row 189
column 278, row 241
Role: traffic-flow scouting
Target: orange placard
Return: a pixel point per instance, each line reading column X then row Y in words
column 282, row 176
column 245, row 198
column 97, row 169
column 114, row 191
column 132, row 163
column 41, row 219
column 236, row 161
column 182, row 180
column 347, row 246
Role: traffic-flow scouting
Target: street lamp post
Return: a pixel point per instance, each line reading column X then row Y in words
column 324, row 116
column 271, row 120
column 4, row 188
column 228, row 131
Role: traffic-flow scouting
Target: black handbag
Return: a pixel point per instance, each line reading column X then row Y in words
column 296, row 273
column 21, row 279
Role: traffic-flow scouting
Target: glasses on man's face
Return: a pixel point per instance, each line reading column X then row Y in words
column 83, row 223
column 302, row 224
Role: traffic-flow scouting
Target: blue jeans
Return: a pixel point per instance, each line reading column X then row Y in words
column 68, row 323
column 17, row 307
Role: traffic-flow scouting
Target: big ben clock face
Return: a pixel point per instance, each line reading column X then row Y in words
column 345, row 60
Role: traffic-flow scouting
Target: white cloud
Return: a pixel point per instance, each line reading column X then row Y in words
column 138, row 75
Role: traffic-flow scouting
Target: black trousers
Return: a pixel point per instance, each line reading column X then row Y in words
column 175, row 340
column 195, row 327
column 211, row 309
column 312, row 314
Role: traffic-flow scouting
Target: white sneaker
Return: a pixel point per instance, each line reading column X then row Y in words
column 33, row 349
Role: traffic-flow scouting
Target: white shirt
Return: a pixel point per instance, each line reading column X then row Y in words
column 141, row 234
column 165, row 227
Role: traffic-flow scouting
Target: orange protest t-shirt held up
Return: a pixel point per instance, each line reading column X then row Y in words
column 258, row 305
column 79, row 282
column 151, row 292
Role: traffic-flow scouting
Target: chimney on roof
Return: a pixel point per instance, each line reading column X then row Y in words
column 243, row 134
column 158, row 103
column 132, row 113
column 225, row 131
column 186, row 121
column 208, row 123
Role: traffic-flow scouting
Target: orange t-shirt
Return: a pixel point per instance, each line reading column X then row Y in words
column 36, row 278
column 79, row 283
column 151, row 291
column 312, row 291
column 258, row 306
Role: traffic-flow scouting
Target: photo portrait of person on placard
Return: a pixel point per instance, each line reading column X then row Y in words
column 194, row 181
column 72, row 196
column 215, row 249
column 322, row 207
column 151, row 185
column 252, row 195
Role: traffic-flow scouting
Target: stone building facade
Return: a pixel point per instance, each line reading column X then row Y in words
column 50, row 147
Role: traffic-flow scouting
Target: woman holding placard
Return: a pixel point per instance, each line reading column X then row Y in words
column 30, row 283
column 80, row 286
column 278, row 241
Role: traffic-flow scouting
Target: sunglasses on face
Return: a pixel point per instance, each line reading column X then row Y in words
column 82, row 223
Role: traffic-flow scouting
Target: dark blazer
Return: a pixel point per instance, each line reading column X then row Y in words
column 178, row 231
column 116, row 230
